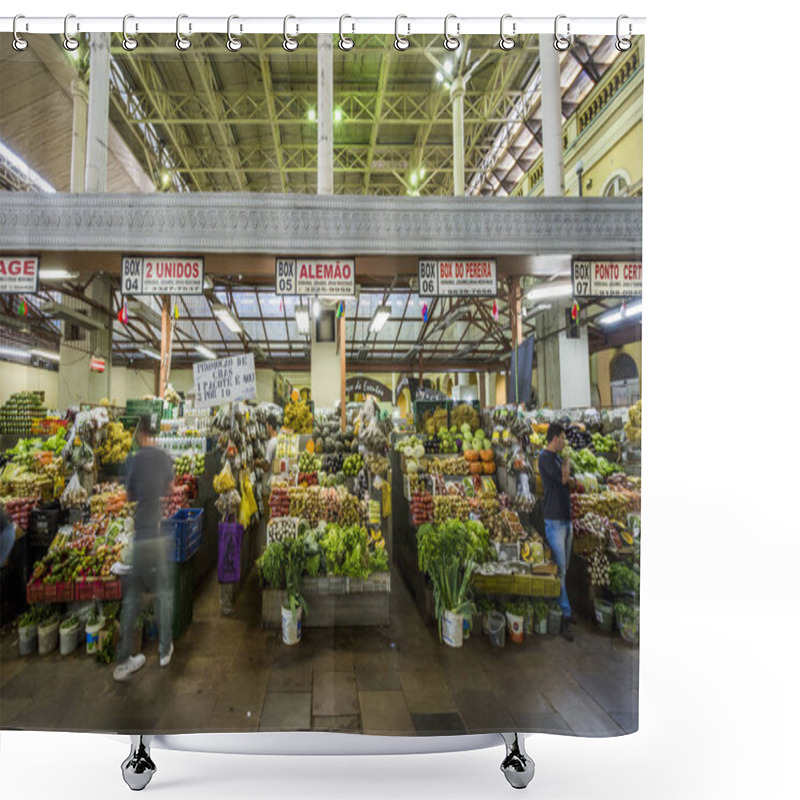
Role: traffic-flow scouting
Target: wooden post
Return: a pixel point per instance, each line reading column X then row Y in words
column 482, row 389
column 166, row 338
column 343, row 367
column 420, row 370
column 515, row 310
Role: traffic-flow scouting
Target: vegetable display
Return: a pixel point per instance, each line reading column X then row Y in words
column 18, row 411
column 598, row 569
column 633, row 427
column 190, row 464
column 622, row 579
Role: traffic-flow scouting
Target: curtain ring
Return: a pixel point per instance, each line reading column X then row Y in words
column 506, row 42
column 128, row 42
column 561, row 43
column 450, row 42
column 400, row 42
column 181, row 42
column 289, row 44
column 234, row 44
column 345, row 43
column 70, row 42
column 19, row 44
column 623, row 42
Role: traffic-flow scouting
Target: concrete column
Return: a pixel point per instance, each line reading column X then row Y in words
column 324, row 113
column 80, row 115
column 97, row 134
column 457, row 91
column 552, row 136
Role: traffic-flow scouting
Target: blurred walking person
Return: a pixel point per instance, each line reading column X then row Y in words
column 149, row 481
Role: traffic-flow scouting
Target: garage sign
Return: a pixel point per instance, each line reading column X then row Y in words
column 153, row 275
column 606, row 278
column 19, row 274
column 318, row 277
column 458, row 278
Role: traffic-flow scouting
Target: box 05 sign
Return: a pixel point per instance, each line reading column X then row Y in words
column 155, row 275
column 457, row 278
column 317, row 277
column 19, row 274
column 224, row 380
column 611, row 278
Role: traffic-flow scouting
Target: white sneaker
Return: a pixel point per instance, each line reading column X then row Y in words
column 164, row 660
column 124, row 670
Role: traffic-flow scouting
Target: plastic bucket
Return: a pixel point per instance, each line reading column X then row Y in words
column 452, row 629
column 48, row 637
column 540, row 626
column 68, row 639
column 554, row 620
column 290, row 625
column 93, row 635
column 28, row 639
column 604, row 614
column 516, row 627
column 467, row 627
column 529, row 624
column 485, row 622
column 497, row 629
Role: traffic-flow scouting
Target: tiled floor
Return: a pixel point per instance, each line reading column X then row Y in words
column 228, row 674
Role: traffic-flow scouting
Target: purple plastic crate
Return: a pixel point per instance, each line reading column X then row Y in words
column 187, row 528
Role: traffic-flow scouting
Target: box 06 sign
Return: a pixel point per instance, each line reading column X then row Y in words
column 159, row 275
column 606, row 278
column 224, row 380
column 318, row 277
column 464, row 278
column 19, row 274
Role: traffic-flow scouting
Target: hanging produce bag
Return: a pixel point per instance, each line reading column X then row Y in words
column 229, row 564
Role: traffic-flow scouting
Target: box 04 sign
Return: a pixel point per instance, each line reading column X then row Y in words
column 158, row 275
column 317, row 277
column 19, row 274
column 606, row 278
column 458, row 278
column 225, row 380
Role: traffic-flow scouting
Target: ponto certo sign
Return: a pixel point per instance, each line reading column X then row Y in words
column 19, row 274
column 158, row 275
column 618, row 278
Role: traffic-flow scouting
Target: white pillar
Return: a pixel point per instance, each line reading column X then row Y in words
column 97, row 135
column 324, row 113
column 80, row 114
column 552, row 136
column 457, row 96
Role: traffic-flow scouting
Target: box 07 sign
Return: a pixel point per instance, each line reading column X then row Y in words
column 159, row 275
column 611, row 278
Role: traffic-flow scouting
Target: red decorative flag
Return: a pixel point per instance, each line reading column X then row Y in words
column 22, row 308
column 424, row 312
column 575, row 310
column 495, row 313
column 122, row 314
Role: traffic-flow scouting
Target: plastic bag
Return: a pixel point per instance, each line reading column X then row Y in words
column 74, row 495
column 224, row 482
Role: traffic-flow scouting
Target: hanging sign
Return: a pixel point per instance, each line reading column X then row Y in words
column 458, row 278
column 162, row 275
column 225, row 380
column 362, row 385
column 19, row 274
column 97, row 364
column 611, row 278
column 318, row 277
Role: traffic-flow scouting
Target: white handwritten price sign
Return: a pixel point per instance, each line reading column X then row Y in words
column 153, row 275
column 225, row 380
column 458, row 278
column 606, row 278
column 317, row 277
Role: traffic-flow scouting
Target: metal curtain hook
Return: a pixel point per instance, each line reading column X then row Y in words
column 19, row 44
column 345, row 43
column 128, row 42
column 400, row 42
column 289, row 44
column 450, row 42
column 70, row 42
column 181, row 42
column 623, row 42
column 234, row 44
column 561, row 43
column 506, row 42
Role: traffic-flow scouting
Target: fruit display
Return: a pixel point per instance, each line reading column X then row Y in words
column 224, row 482
column 308, row 463
column 279, row 500
column 590, row 533
column 116, row 445
column 450, row 466
column 633, row 427
column 474, row 441
column 332, row 463
column 17, row 481
column 111, row 502
column 377, row 465
column 18, row 510
column 282, row 528
column 228, row 504
column 74, row 496
column 93, row 559
column 433, row 422
column 524, row 503
column 190, row 482
column 464, row 414
column 578, row 437
column 446, row 507
column 298, row 418
column 193, row 463
column 603, row 444
column 353, row 465
column 421, row 508
column 586, row 461
column 352, row 511
column 18, row 412
column 178, row 498
column 505, row 527
column 598, row 568
column 612, row 505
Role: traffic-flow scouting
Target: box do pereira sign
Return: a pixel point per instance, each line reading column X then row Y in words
column 458, row 278
column 225, row 380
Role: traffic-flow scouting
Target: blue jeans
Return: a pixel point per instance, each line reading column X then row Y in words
column 559, row 537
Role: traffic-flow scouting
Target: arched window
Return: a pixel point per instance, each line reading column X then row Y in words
column 623, row 367
column 617, row 185
column 624, row 380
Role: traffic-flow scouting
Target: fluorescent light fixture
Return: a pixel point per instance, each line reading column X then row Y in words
column 147, row 351
column 448, row 65
column 337, row 115
column 48, row 355
column 439, row 77
column 139, row 310
column 227, row 318
column 14, row 352
column 547, row 291
column 56, row 274
column 312, row 114
column 63, row 312
column 422, row 172
column 204, row 351
column 22, row 169
column 633, row 310
column 208, row 284
column 382, row 313
column 301, row 318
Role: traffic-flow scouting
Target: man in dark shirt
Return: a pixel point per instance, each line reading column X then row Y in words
column 554, row 471
column 149, row 481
